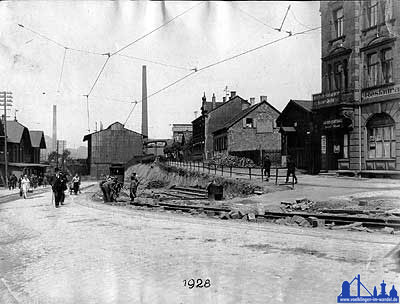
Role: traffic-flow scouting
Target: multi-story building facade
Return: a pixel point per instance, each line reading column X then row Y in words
column 357, row 113
column 182, row 132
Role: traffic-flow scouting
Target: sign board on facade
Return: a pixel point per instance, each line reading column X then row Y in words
column 368, row 94
column 326, row 98
column 323, row 144
column 333, row 124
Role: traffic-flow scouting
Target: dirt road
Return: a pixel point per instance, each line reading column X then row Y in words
column 86, row 252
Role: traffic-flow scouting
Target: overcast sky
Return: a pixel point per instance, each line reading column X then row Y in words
column 211, row 31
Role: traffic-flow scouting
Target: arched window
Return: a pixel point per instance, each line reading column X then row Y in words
column 381, row 136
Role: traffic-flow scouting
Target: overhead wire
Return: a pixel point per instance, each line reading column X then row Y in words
column 255, row 18
column 62, row 70
column 154, row 30
column 154, row 62
column 222, row 61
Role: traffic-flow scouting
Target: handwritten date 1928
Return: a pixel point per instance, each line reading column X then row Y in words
column 197, row 283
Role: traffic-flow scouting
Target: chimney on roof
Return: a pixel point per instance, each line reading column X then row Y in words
column 195, row 114
column 263, row 98
column 224, row 99
column 252, row 100
column 233, row 94
column 213, row 104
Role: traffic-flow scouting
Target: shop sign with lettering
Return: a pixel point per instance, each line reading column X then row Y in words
column 387, row 91
column 323, row 144
column 333, row 124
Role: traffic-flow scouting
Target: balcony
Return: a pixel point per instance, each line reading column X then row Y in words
column 334, row 98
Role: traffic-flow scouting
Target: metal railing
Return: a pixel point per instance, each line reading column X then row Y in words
column 251, row 173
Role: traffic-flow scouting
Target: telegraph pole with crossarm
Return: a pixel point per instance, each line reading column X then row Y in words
column 5, row 100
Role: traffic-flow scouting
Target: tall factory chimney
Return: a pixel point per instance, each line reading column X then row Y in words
column 54, row 146
column 145, row 125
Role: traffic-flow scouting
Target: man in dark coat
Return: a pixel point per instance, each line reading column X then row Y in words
column 58, row 187
column 291, row 169
column 267, row 167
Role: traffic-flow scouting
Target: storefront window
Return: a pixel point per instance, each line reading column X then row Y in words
column 381, row 137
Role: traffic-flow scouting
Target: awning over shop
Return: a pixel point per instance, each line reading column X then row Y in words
column 287, row 129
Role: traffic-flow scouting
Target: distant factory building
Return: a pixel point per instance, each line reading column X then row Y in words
column 181, row 133
column 113, row 146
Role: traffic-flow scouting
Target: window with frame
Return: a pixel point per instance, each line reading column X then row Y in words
column 372, row 69
column 381, row 137
column 372, row 13
column 387, row 65
column 338, row 75
column 338, row 16
column 249, row 123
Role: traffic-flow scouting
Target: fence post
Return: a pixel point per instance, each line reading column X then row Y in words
column 250, row 172
column 222, row 170
column 276, row 176
column 203, row 166
column 215, row 169
column 230, row 171
column 262, row 174
column 208, row 166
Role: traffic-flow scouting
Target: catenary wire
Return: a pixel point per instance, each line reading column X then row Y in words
column 256, row 19
column 154, row 62
column 62, row 70
column 221, row 61
column 156, row 29
column 98, row 76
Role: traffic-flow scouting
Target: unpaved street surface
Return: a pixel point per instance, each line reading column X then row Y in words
column 86, row 252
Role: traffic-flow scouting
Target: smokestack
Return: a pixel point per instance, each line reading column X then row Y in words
column 54, row 127
column 213, row 101
column 145, row 126
column 233, row 94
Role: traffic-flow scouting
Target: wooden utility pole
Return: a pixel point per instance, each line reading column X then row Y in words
column 7, row 100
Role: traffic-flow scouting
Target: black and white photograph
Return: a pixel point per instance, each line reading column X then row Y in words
column 180, row 152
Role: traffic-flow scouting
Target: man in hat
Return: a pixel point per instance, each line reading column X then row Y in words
column 267, row 167
column 57, row 187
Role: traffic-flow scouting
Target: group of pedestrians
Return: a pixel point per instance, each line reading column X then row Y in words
column 59, row 186
column 291, row 168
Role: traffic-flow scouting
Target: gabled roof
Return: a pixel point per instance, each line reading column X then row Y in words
column 305, row 104
column 87, row 136
column 244, row 113
column 15, row 131
column 37, row 139
column 229, row 100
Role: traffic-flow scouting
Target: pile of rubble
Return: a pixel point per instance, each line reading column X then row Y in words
column 156, row 184
column 222, row 159
column 302, row 204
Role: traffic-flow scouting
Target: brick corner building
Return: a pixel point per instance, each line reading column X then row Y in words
column 357, row 113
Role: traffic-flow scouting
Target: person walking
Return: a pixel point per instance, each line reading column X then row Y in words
column 291, row 169
column 133, row 187
column 57, row 187
column 267, row 167
column 25, row 183
column 76, row 181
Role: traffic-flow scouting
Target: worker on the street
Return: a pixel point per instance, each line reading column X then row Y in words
column 133, row 187
column 76, row 181
column 267, row 167
column 25, row 184
column 291, row 169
